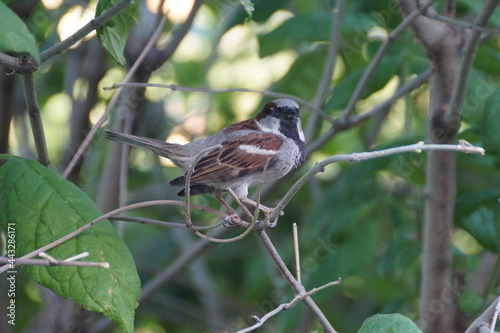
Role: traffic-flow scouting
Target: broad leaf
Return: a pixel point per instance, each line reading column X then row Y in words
column 114, row 34
column 491, row 134
column 44, row 207
column 484, row 227
column 388, row 323
column 14, row 35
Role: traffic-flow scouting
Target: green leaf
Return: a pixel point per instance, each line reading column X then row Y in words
column 14, row 35
column 484, row 226
column 114, row 34
column 470, row 301
column 388, row 323
column 43, row 207
column 491, row 134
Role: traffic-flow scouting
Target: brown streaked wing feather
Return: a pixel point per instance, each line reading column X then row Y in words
column 231, row 161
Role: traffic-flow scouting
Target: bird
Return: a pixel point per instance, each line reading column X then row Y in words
column 240, row 156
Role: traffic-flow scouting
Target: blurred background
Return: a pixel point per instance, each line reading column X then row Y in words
column 361, row 222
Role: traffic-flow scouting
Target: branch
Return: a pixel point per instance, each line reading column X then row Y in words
column 114, row 100
column 94, row 24
column 35, row 119
column 104, row 217
column 286, row 306
column 463, row 147
column 226, row 90
column 461, row 23
column 51, row 261
column 326, row 78
column 342, row 125
column 485, row 318
column 297, row 287
column 459, row 91
column 164, row 224
column 370, row 70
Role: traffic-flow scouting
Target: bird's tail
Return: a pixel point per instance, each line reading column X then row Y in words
column 159, row 147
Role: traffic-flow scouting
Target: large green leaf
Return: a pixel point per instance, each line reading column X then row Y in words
column 114, row 34
column 14, row 35
column 44, row 207
column 388, row 323
column 484, row 226
column 491, row 134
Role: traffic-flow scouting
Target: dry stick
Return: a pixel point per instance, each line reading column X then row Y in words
column 370, row 70
column 357, row 157
column 35, row 119
column 48, row 262
column 459, row 91
column 104, row 217
column 285, row 306
column 94, row 24
column 225, row 90
column 114, row 100
column 165, row 224
column 297, row 253
column 296, row 286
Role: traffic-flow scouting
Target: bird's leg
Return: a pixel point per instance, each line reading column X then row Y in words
column 233, row 218
column 267, row 211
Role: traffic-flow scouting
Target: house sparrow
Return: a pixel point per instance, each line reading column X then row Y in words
column 240, row 152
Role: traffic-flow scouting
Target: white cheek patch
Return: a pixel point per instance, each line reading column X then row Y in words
column 256, row 150
column 299, row 129
column 269, row 124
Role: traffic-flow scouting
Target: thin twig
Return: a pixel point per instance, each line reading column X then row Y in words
column 83, row 31
column 458, row 96
column 51, row 261
column 165, row 224
column 104, row 217
column 297, row 252
column 297, row 287
column 35, row 119
column 225, row 90
column 342, row 125
column 370, row 70
column 495, row 317
column 285, row 306
column 461, row 23
column 357, row 157
column 331, row 59
column 114, row 100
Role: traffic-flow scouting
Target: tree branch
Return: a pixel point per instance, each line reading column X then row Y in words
column 227, row 90
column 104, row 217
column 94, row 24
column 357, row 157
column 458, row 96
column 35, row 119
column 370, row 70
column 83, row 147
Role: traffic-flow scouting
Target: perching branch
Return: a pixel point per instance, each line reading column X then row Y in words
column 357, row 157
column 104, row 217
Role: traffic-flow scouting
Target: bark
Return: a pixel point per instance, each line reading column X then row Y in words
column 443, row 44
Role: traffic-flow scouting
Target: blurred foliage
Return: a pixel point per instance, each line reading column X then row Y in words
column 361, row 222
